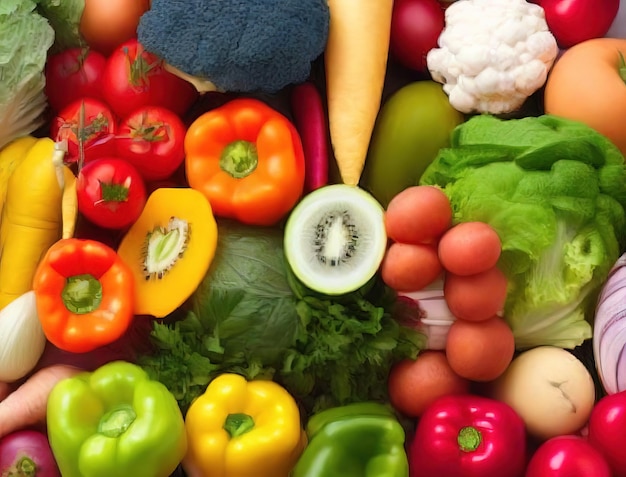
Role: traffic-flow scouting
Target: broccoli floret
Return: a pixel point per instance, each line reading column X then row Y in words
column 239, row 45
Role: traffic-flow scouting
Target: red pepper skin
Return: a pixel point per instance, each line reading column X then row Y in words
column 607, row 430
column 496, row 431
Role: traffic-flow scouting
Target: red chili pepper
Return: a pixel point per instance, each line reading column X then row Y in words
column 468, row 436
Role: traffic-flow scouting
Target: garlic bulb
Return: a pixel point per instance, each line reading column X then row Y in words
column 22, row 339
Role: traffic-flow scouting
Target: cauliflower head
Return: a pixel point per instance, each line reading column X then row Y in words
column 492, row 54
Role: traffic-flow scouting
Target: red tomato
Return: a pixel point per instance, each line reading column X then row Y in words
column 606, row 430
column 574, row 21
column 134, row 78
column 73, row 74
column 469, row 248
column 111, row 192
column 567, row 456
column 152, row 139
column 415, row 29
column 98, row 129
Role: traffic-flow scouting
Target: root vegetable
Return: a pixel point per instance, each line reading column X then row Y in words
column 26, row 406
column 355, row 61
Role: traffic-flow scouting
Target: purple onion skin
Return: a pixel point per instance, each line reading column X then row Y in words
column 27, row 453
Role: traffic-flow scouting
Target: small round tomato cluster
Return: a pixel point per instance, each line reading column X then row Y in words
column 120, row 117
column 425, row 246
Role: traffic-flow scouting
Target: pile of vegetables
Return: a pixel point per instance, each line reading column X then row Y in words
column 298, row 239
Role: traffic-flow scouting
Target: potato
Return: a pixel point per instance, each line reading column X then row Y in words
column 550, row 389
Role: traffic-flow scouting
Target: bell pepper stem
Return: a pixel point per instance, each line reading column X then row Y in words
column 469, row 438
column 117, row 421
column 622, row 66
column 239, row 158
column 238, row 424
column 82, row 293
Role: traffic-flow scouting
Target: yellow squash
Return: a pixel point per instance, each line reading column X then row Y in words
column 169, row 249
column 32, row 214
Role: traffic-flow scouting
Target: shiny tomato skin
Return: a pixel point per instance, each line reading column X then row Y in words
column 127, row 198
column 152, row 139
column 73, row 74
column 100, row 127
column 415, row 29
column 133, row 78
column 567, row 456
column 574, row 21
column 606, row 430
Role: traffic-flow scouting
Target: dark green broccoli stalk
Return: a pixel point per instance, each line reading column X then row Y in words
column 238, row 45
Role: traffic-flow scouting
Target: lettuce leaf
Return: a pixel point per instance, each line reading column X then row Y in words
column 251, row 316
column 25, row 38
column 64, row 16
column 554, row 191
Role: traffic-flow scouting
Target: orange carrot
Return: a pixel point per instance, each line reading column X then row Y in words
column 26, row 406
column 355, row 61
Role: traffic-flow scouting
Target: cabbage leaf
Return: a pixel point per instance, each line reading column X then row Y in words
column 251, row 316
column 555, row 192
column 25, row 38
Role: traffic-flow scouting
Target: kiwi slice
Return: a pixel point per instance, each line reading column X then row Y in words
column 335, row 239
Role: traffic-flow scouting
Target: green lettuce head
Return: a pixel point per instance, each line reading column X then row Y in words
column 555, row 191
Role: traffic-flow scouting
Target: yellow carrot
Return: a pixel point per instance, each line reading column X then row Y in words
column 356, row 63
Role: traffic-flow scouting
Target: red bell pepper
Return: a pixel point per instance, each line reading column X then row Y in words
column 84, row 294
column 607, row 430
column 468, row 436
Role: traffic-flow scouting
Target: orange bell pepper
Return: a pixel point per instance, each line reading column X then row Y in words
column 84, row 295
column 247, row 159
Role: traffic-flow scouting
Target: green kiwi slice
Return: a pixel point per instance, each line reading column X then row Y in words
column 335, row 239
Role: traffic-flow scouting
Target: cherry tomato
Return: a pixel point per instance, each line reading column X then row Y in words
column 106, row 24
column 567, row 456
column 574, row 21
column 134, row 78
column 98, row 130
column 152, row 139
column 606, row 430
column 415, row 29
column 111, row 192
column 73, row 74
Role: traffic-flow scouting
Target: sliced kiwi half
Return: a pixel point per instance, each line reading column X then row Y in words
column 335, row 239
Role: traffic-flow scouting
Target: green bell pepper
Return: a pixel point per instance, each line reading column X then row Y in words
column 115, row 421
column 361, row 439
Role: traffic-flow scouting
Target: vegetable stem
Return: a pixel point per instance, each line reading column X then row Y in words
column 622, row 66
column 238, row 424
column 239, row 158
column 82, row 293
column 469, row 439
column 115, row 422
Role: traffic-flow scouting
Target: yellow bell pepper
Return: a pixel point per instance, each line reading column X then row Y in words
column 241, row 428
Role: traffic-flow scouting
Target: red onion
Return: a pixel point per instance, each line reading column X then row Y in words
column 609, row 330
column 27, row 453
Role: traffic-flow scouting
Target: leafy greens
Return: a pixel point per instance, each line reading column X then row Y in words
column 554, row 190
column 251, row 316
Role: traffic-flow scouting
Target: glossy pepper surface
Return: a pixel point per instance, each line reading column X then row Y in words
column 248, row 160
column 84, row 294
column 361, row 439
column 115, row 421
column 241, row 428
column 468, row 436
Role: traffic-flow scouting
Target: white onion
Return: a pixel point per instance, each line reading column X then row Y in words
column 22, row 340
column 609, row 330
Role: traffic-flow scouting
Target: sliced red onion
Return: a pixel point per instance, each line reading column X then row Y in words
column 609, row 330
